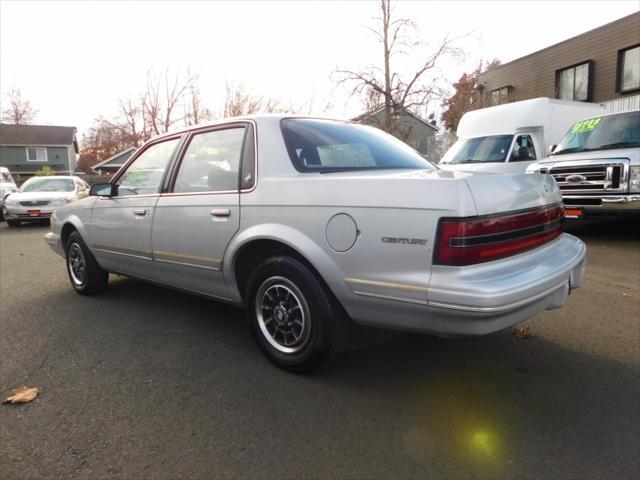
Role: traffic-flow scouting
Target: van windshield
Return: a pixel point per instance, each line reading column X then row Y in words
column 602, row 133
column 479, row 150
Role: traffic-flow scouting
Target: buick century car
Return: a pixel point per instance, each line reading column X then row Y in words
column 311, row 224
column 38, row 197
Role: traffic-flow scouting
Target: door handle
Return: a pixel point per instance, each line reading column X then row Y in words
column 220, row 212
column 141, row 212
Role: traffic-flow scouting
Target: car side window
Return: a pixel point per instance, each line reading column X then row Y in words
column 523, row 149
column 211, row 162
column 144, row 175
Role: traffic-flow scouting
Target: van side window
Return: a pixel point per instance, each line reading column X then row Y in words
column 523, row 149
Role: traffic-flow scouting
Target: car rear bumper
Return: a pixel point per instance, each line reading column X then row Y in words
column 484, row 298
column 604, row 205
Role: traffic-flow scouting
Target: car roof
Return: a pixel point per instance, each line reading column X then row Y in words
column 257, row 118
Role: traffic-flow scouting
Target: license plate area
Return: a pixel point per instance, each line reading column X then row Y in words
column 34, row 213
column 573, row 213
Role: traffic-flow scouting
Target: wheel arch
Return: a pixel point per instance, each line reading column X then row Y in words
column 258, row 243
column 70, row 225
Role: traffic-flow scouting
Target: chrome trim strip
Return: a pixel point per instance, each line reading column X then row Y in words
column 185, row 255
column 104, row 250
column 204, row 267
column 377, row 283
column 501, row 308
column 390, row 297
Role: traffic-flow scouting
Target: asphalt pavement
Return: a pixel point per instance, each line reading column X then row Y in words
column 146, row 382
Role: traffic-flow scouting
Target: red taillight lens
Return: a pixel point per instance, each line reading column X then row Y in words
column 465, row 242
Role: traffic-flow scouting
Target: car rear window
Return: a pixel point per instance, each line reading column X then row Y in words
column 323, row 146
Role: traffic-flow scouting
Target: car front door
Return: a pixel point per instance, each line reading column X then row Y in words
column 195, row 221
column 120, row 230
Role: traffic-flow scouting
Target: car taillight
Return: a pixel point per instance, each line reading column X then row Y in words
column 481, row 239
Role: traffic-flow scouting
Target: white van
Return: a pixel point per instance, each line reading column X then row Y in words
column 508, row 138
column 7, row 186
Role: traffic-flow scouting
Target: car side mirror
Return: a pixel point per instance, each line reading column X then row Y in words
column 552, row 148
column 103, row 190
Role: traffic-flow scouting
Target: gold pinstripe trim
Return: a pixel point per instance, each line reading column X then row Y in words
column 377, row 283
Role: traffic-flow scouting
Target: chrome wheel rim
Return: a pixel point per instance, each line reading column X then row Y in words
column 283, row 315
column 77, row 264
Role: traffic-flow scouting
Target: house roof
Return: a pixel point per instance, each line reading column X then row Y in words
column 377, row 110
column 115, row 161
column 42, row 135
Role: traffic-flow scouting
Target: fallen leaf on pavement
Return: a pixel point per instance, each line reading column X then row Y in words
column 521, row 332
column 22, row 395
column 625, row 294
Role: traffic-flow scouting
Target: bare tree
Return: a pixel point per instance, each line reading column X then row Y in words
column 19, row 110
column 241, row 101
column 163, row 97
column 195, row 111
column 396, row 92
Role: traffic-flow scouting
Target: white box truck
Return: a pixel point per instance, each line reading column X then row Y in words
column 508, row 138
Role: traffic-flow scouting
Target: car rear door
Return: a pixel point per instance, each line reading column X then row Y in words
column 199, row 215
column 120, row 229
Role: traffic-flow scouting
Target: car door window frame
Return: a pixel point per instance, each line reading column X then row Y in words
column 181, row 140
column 250, row 129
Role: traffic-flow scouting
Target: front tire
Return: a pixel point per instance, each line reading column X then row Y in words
column 13, row 223
column 294, row 318
column 86, row 276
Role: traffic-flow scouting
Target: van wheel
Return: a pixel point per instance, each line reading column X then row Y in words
column 87, row 277
column 295, row 320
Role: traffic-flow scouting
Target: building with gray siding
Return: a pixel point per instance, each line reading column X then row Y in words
column 406, row 126
column 25, row 149
column 600, row 66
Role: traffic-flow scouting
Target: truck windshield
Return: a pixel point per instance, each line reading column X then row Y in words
column 601, row 133
column 479, row 150
column 331, row 146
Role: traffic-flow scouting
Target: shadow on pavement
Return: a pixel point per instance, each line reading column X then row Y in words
column 160, row 373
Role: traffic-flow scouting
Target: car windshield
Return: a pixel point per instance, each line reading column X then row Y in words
column 5, row 177
column 48, row 185
column 479, row 150
column 614, row 131
column 326, row 146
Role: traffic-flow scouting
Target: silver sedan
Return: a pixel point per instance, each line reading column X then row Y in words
column 38, row 197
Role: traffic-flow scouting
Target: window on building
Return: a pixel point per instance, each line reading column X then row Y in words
column 629, row 69
column 573, row 82
column 500, row 95
column 36, row 154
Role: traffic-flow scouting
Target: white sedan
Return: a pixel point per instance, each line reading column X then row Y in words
column 38, row 197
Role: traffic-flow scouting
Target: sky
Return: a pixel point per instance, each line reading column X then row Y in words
column 73, row 60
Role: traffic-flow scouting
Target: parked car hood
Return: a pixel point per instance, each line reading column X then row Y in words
column 27, row 196
column 488, row 167
column 592, row 155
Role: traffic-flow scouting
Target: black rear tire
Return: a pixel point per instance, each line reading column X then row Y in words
column 13, row 223
column 296, row 321
column 86, row 276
